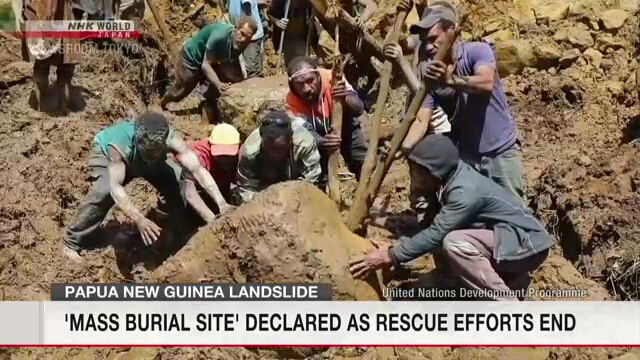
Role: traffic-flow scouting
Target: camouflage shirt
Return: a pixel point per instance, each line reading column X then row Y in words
column 304, row 163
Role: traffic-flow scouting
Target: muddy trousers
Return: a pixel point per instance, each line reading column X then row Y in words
column 254, row 57
column 353, row 150
column 186, row 79
column 469, row 255
column 41, row 69
column 504, row 169
column 95, row 207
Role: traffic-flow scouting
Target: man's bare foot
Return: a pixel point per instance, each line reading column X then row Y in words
column 72, row 254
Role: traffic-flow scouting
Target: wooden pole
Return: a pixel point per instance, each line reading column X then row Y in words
column 336, row 126
column 370, row 46
column 385, row 163
column 163, row 27
column 361, row 203
column 281, row 45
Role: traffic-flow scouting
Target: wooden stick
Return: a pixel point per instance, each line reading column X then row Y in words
column 370, row 46
column 385, row 163
column 163, row 26
column 286, row 16
column 336, row 126
column 361, row 203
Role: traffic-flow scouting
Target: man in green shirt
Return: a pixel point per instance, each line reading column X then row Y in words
column 127, row 150
column 203, row 53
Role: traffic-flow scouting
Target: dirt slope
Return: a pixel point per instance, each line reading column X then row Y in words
column 574, row 110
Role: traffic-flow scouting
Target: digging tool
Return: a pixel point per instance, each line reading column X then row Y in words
column 361, row 203
column 286, row 16
column 385, row 163
column 371, row 46
column 162, row 25
column 336, row 125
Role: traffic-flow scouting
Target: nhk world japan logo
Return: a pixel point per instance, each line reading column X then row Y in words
column 81, row 29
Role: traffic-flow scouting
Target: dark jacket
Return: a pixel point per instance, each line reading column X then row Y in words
column 471, row 201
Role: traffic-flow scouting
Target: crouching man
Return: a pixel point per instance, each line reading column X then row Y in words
column 203, row 55
column 122, row 152
column 487, row 237
column 278, row 151
column 310, row 97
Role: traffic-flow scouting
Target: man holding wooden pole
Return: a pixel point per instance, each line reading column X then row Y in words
column 311, row 94
column 471, row 91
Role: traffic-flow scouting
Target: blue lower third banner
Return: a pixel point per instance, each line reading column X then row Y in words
column 319, row 323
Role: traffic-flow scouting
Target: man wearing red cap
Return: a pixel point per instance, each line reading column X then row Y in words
column 218, row 154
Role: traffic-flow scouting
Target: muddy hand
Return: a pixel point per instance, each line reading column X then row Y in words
column 149, row 231
column 384, row 151
column 282, row 24
column 405, row 5
column 360, row 24
column 331, row 142
column 393, row 51
column 361, row 267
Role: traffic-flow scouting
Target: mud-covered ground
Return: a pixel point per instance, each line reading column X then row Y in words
column 568, row 74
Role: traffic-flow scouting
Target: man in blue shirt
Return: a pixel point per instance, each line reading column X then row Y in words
column 471, row 93
column 253, row 53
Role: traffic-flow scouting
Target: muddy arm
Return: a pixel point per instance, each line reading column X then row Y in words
column 195, row 200
column 418, row 129
column 309, row 158
column 190, row 161
column 461, row 207
column 209, row 72
column 117, row 173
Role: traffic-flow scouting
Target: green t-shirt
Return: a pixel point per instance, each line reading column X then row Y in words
column 213, row 37
column 120, row 137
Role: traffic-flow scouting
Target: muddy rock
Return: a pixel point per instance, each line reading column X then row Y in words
column 498, row 36
column 615, row 87
column 606, row 42
column 547, row 56
column 558, row 273
column 545, row 14
column 569, row 57
column 16, row 71
column 594, row 57
column 578, row 37
column 584, row 161
column 290, row 232
column 493, row 27
column 238, row 108
column 513, row 56
column 613, row 19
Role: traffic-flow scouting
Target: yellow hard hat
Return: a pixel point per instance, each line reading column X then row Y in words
column 224, row 140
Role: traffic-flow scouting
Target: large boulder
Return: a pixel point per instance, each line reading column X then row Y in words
column 513, row 56
column 240, row 102
column 291, row 232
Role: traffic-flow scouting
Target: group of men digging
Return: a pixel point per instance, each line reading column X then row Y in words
column 463, row 155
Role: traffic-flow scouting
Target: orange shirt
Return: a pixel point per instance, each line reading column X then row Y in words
column 321, row 110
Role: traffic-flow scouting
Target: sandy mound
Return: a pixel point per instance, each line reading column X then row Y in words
column 291, row 232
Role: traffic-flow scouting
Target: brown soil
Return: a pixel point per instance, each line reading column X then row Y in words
column 582, row 180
